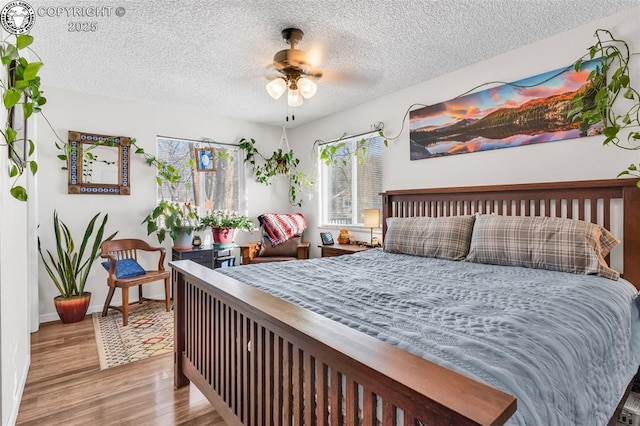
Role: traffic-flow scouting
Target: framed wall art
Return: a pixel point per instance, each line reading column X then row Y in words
column 205, row 160
column 529, row 111
column 99, row 164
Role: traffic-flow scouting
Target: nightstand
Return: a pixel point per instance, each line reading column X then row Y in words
column 214, row 256
column 341, row 249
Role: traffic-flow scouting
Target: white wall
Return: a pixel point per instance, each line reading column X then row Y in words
column 15, row 251
column 74, row 111
column 576, row 159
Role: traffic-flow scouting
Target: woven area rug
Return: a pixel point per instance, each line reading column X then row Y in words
column 149, row 333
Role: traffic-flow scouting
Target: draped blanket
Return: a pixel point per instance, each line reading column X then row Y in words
column 280, row 227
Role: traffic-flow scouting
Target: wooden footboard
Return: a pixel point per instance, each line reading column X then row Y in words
column 263, row 361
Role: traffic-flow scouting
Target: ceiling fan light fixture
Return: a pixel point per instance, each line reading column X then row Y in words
column 277, row 87
column 307, row 87
column 294, row 98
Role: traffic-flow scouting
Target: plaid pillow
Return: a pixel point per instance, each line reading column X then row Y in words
column 440, row 237
column 542, row 242
column 607, row 242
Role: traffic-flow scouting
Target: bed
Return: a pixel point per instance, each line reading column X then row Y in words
column 265, row 354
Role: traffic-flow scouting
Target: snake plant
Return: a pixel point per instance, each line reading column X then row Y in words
column 69, row 268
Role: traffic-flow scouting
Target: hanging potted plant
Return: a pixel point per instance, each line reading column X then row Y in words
column 281, row 163
column 223, row 224
column 70, row 266
column 179, row 220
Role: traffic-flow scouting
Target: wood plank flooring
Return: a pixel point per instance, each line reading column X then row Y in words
column 65, row 386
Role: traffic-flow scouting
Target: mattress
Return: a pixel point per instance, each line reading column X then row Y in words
column 565, row 345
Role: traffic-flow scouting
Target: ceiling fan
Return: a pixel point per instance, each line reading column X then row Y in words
column 294, row 71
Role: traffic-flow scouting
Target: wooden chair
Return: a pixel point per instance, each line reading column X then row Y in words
column 115, row 250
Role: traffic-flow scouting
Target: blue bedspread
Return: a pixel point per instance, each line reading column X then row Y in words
column 565, row 345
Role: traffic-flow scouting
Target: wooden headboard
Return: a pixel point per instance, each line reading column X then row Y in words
column 593, row 201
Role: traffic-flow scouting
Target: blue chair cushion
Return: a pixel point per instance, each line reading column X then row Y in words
column 126, row 268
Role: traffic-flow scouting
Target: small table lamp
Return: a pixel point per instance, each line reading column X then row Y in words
column 371, row 220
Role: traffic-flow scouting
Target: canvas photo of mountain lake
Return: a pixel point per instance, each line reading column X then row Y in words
column 502, row 117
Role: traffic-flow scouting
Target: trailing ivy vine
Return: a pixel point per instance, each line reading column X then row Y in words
column 339, row 154
column 22, row 87
column 596, row 104
column 166, row 172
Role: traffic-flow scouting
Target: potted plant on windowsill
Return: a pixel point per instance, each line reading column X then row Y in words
column 223, row 224
column 70, row 266
column 179, row 220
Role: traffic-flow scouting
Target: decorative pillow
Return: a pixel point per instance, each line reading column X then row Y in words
column 287, row 249
column 542, row 242
column 440, row 237
column 607, row 242
column 126, row 268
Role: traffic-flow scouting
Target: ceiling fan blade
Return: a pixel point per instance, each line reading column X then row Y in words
column 314, row 73
column 341, row 77
column 271, row 73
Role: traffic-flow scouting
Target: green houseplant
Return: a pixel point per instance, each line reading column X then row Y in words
column 178, row 220
column 70, row 265
column 611, row 86
column 223, row 224
column 21, row 88
column 282, row 163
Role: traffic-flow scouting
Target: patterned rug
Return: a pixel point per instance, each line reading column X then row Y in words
column 149, row 333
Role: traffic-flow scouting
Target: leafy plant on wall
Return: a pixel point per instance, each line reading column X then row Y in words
column 611, row 85
column 166, row 172
column 339, row 153
column 22, row 87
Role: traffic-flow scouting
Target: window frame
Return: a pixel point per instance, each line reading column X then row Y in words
column 323, row 195
column 241, row 208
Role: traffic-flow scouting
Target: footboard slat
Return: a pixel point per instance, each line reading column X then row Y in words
column 351, row 412
column 335, row 404
column 388, row 414
column 310, row 389
column 322, row 395
column 368, row 408
column 256, row 369
column 268, row 378
column 287, row 410
column 245, row 370
column 297, row 389
column 277, row 379
column 257, row 351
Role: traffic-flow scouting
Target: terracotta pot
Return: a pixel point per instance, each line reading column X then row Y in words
column 223, row 235
column 72, row 309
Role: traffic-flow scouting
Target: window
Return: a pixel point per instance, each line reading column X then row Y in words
column 349, row 189
column 222, row 189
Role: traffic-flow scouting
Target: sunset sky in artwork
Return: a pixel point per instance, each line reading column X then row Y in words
column 478, row 105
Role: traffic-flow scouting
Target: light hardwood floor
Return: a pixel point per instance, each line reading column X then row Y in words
column 65, row 386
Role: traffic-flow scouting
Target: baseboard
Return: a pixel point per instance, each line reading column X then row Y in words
column 53, row 316
column 13, row 415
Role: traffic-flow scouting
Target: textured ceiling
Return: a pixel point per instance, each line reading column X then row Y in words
column 213, row 55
